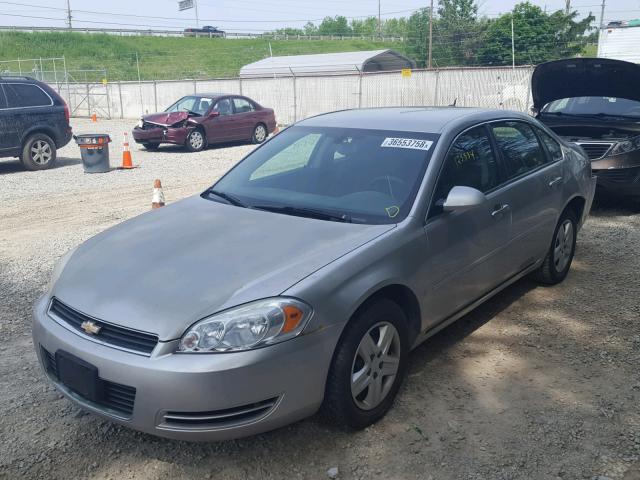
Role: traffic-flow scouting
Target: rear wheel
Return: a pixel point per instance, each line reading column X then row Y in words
column 260, row 133
column 368, row 366
column 38, row 152
column 557, row 263
column 195, row 141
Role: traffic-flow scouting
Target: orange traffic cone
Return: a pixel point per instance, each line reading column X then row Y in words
column 126, row 153
column 94, row 117
column 158, row 196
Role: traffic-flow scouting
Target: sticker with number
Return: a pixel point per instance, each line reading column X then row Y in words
column 411, row 143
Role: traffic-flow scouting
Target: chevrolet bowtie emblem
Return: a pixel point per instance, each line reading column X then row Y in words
column 90, row 327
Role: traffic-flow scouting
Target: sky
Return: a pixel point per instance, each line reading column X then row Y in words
column 254, row 15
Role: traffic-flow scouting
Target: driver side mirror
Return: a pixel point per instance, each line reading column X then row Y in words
column 214, row 114
column 463, row 198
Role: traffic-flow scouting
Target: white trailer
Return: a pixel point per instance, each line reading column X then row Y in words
column 620, row 42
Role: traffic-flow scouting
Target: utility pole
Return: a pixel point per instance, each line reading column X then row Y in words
column 567, row 9
column 513, row 45
column 195, row 4
column 69, row 14
column 430, row 34
column 379, row 21
column 602, row 15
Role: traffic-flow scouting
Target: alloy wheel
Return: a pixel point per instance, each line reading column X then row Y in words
column 260, row 134
column 41, row 152
column 196, row 140
column 375, row 365
column 563, row 246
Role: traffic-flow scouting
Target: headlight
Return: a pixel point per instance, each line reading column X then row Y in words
column 57, row 270
column 253, row 325
column 626, row 146
column 140, row 123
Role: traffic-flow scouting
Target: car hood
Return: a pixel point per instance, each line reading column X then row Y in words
column 584, row 77
column 166, row 119
column 164, row 270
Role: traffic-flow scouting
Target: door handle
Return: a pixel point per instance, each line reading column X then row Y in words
column 555, row 181
column 498, row 210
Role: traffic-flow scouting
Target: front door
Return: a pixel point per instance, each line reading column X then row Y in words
column 220, row 127
column 465, row 248
column 9, row 138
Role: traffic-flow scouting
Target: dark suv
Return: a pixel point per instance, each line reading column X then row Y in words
column 34, row 122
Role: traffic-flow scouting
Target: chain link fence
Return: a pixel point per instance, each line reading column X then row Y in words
column 297, row 97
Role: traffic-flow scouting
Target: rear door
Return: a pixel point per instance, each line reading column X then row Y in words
column 534, row 175
column 465, row 256
column 246, row 119
column 9, row 138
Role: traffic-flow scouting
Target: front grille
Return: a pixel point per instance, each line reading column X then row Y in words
column 114, row 396
column 595, row 150
column 220, row 418
column 124, row 338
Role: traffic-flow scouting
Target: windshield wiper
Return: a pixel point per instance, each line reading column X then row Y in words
column 306, row 212
column 231, row 199
column 593, row 115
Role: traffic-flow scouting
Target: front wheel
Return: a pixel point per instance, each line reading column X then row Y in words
column 260, row 133
column 557, row 263
column 195, row 141
column 368, row 366
column 38, row 152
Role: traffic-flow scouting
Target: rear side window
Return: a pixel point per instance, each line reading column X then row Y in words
column 554, row 148
column 241, row 105
column 26, row 95
column 519, row 146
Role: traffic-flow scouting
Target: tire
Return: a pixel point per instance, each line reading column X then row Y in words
column 260, row 133
column 557, row 263
column 38, row 152
column 343, row 405
column 196, row 141
column 151, row 146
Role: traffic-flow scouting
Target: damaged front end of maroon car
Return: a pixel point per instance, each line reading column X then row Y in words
column 165, row 127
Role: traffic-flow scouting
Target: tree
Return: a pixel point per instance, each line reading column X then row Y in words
column 337, row 26
column 367, row 26
column 539, row 37
column 310, row 29
column 395, row 27
column 456, row 32
column 417, row 36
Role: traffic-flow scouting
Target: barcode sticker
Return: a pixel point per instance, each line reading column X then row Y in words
column 412, row 143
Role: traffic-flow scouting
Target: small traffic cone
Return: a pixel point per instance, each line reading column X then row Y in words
column 94, row 117
column 158, row 195
column 126, row 153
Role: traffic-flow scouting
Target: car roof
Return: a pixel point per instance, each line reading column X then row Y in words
column 411, row 119
column 18, row 79
column 214, row 95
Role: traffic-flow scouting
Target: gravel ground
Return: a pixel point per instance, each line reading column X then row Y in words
column 539, row 383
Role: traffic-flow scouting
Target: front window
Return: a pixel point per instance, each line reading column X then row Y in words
column 192, row 104
column 594, row 106
column 354, row 175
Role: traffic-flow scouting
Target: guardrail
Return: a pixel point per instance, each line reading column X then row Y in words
column 181, row 33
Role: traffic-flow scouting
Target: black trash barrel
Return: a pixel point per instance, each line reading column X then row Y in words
column 94, row 150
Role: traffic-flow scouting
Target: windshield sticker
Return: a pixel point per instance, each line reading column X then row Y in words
column 392, row 211
column 412, row 143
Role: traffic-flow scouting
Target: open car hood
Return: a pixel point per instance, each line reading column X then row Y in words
column 165, row 119
column 584, row 77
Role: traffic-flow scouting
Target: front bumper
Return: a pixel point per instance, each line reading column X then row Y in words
column 177, row 136
column 619, row 181
column 291, row 374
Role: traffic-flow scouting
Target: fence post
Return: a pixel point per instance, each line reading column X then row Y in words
column 120, row 96
column 240, row 84
column 295, row 97
column 88, row 97
column 359, row 87
column 436, row 92
column 155, row 95
column 195, row 86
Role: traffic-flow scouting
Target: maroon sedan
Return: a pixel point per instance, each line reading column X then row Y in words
column 196, row 121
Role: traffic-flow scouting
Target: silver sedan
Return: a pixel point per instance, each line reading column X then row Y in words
column 301, row 280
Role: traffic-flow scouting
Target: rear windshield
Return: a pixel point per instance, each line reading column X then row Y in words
column 371, row 176
column 594, row 106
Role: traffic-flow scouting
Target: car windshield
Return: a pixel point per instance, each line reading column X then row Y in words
column 352, row 175
column 193, row 104
column 594, row 106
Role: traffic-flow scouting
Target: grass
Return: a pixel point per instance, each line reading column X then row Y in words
column 160, row 58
